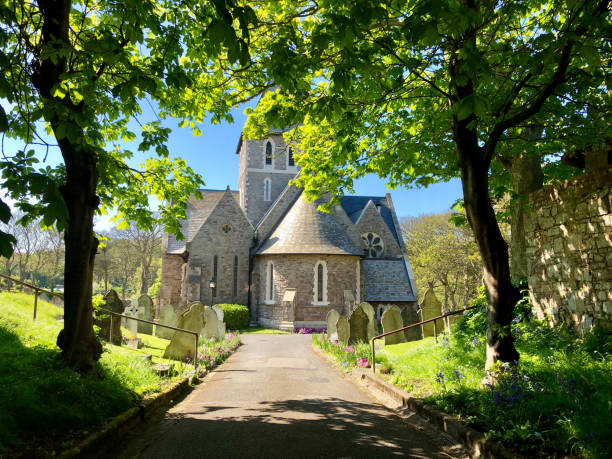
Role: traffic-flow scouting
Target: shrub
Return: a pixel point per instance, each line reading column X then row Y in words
column 236, row 316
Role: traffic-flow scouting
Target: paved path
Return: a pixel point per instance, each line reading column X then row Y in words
column 276, row 398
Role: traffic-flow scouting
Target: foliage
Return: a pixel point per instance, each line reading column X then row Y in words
column 444, row 257
column 212, row 352
column 347, row 356
column 43, row 398
column 555, row 402
column 235, row 316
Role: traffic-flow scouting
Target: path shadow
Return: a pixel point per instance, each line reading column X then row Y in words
column 312, row 427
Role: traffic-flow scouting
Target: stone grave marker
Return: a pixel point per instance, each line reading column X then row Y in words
column 168, row 316
column 343, row 329
column 182, row 344
column 372, row 325
column 221, row 322
column 145, row 311
column 392, row 320
column 211, row 325
column 131, row 325
column 112, row 303
column 349, row 302
column 358, row 326
column 431, row 307
column 331, row 319
column 411, row 316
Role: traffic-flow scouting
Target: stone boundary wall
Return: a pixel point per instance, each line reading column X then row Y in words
column 569, row 251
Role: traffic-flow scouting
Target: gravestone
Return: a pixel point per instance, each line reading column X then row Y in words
column 430, row 307
column 211, row 325
column 358, row 326
column 131, row 325
column 182, row 344
column 411, row 316
column 349, row 302
column 221, row 323
column 372, row 326
column 145, row 311
column 103, row 319
column 343, row 329
column 168, row 316
column 392, row 320
column 331, row 319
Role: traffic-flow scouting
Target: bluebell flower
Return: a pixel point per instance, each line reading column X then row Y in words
column 475, row 341
column 458, row 374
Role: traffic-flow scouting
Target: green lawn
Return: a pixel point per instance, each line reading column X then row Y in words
column 556, row 402
column 263, row 331
column 41, row 398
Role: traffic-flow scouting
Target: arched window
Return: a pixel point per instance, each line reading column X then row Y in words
column 270, row 283
column 269, row 153
column 215, row 263
column 290, row 160
column 267, row 189
column 235, row 275
column 320, row 283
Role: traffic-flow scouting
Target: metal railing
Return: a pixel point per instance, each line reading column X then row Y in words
column 36, row 291
column 434, row 319
column 196, row 334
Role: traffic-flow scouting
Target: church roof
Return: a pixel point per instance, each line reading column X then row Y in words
column 197, row 213
column 355, row 205
column 306, row 230
column 386, row 280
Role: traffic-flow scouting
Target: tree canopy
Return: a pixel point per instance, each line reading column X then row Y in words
column 425, row 91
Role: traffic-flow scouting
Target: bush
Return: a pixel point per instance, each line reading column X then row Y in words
column 236, row 316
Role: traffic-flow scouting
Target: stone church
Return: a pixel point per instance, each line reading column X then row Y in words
column 267, row 247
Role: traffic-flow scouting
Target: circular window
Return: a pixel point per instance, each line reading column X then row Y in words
column 227, row 228
column 374, row 245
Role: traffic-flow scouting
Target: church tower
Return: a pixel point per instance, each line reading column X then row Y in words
column 265, row 168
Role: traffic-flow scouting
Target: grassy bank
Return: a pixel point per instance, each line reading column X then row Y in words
column 44, row 404
column 557, row 401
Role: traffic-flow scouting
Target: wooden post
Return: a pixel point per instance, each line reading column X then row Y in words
column 110, row 333
column 35, row 302
column 435, row 331
column 373, row 358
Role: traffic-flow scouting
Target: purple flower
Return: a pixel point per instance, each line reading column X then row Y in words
column 363, row 363
column 440, row 377
column 444, row 341
column 458, row 374
column 475, row 341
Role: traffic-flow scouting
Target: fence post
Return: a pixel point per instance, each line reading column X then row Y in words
column 110, row 333
column 195, row 356
column 435, row 331
column 373, row 358
column 35, row 302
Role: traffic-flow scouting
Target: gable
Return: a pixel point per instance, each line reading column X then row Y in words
column 370, row 220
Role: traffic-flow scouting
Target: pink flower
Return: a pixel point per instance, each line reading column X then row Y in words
column 363, row 363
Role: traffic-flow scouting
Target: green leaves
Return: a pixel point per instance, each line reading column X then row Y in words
column 472, row 104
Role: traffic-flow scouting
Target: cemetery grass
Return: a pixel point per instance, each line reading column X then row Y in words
column 44, row 405
column 556, row 402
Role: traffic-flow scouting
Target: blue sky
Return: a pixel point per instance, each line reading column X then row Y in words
column 213, row 156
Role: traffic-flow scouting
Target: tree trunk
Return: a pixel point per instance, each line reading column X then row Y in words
column 80, row 347
column 494, row 252
column 527, row 177
column 144, row 278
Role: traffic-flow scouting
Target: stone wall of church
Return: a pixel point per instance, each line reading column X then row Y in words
column 372, row 221
column 170, row 290
column 298, row 272
column 214, row 239
column 569, row 251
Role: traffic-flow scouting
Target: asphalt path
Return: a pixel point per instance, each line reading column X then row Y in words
column 276, row 398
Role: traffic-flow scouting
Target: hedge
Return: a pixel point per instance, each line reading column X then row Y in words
column 236, row 316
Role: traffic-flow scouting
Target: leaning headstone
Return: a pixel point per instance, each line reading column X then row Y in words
column 372, row 326
column 430, row 308
column 331, row 319
column 343, row 329
column 211, row 326
column 358, row 326
column 392, row 320
column 182, row 344
column 168, row 316
column 221, row 332
column 103, row 319
column 411, row 316
column 145, row 311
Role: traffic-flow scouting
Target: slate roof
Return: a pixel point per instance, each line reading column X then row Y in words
column 305, row 230
column 386, row 280
column 354, row 206
column 197, row 213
